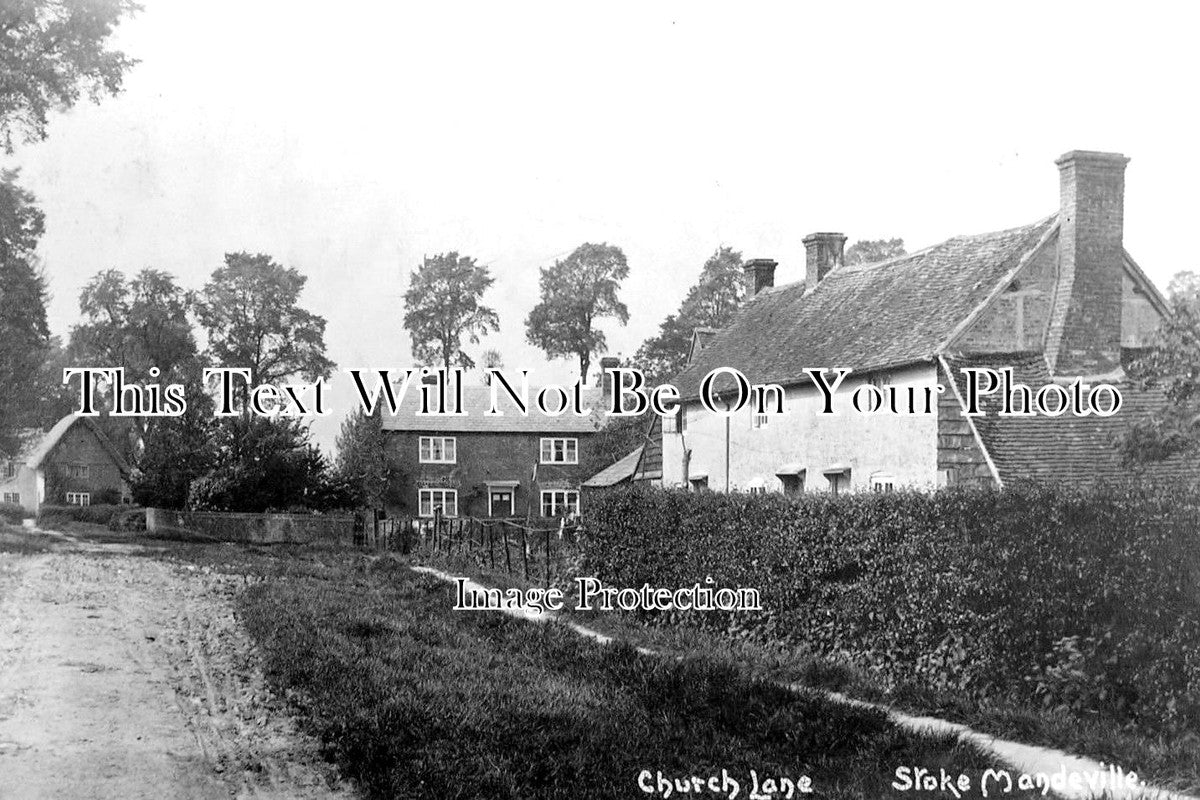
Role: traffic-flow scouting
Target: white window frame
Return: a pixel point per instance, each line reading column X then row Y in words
column 883, row 483
column 10, row 470
column 759, row 421
column 79, row 498
column 559, row 505
column 569, row 453
column 444, row 495
column 12, row 497
column 448, row 454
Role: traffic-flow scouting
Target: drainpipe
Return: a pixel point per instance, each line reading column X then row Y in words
column 727, row 419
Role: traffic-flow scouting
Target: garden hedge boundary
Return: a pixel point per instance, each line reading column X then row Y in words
column 1081, row 599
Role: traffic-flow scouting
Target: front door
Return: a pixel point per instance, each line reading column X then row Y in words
column 500, row 503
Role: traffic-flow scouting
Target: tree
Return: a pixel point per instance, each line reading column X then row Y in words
column 868, row 251
column 710, row 303
column 51, row 53
column 24, row 333
column 249, row 311
column 575, row 293
column 443, row 307
column 362, row 461
column 177, row 450
column 1172, row 364
column 267, row 465
column 138, row 324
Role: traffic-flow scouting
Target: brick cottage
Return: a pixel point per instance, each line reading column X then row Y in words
column 74, row 463
column 492, row 466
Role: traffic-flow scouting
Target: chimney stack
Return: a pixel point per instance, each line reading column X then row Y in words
column 1085, row 329
column 606, row 378
column 760, row 274
column 823, row 252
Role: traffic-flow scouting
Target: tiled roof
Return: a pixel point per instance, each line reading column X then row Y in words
column 865, row 317
column 477, row 401
column 613, row 474
column 1067, row 448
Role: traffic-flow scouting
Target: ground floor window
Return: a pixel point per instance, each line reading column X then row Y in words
column 883, row 483
column 79, row 499
column 433, row 499
column 558, row 503
column 12, row 497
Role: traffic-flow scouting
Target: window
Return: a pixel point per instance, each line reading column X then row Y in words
column 698, row 483
column 760, row 421
column 10, row 469
column 560, row 451
column 560, row 502
column 438, row 450
column 74, row 470
column 433, row 499
column 883, row 486
column 758, row 490
column 676, row 423
column 880, row 380
column 79, row 499
column 12, row 497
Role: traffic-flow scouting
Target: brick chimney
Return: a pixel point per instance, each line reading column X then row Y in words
column 606, row 378
column 1084, row 337
column 760, row 274
column 823, row 252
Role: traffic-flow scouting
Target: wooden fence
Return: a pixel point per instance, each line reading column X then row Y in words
column 537, row 553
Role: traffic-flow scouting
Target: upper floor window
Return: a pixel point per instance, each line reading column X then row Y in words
column 12, row 497
column 79, row 499
column 560, row 451
column 676, row 423
column 432, row 500
column 760, row 421
column 75, row 470
column 10, row 469
column 438, row 450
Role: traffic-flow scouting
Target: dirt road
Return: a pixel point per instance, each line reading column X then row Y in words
column 127, row 677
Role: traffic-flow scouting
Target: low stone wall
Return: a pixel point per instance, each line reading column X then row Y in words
column 256, row 528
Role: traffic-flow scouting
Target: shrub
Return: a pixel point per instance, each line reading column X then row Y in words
column 128, row 519
column 1084, row 600
column 13, row 513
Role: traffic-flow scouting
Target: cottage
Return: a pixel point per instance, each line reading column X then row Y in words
column 1056, row 300
column 75, row 464
column 494, row 466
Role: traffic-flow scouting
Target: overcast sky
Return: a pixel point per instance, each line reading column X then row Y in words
column 347, row 139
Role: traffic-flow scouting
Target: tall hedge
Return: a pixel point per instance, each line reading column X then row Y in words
column 1083, row 599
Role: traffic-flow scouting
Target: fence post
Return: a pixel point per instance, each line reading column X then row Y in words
column 547, row 582
column 507, row 557
column 525, row 550
column 491, row 549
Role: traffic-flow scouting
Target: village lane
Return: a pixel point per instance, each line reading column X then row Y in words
column 128, row 677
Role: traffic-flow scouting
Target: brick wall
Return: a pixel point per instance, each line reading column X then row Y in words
column 483, row 457
column 958, row 452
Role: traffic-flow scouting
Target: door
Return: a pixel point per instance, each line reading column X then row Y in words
column 500, row 503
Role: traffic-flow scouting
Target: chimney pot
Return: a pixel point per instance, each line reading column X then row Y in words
column 760, row 274
column 824, row 252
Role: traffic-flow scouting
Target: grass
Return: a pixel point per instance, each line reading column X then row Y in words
column 1171, row 762
column 18, row 540
column 412, row 699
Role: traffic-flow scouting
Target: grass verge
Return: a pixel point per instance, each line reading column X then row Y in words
column 1170, row 762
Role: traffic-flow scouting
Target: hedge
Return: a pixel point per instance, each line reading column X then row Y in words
column 13, row 513
column 97, row 514
column 1087, row 600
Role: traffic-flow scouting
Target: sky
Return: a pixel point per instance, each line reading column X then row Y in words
column 350, row 139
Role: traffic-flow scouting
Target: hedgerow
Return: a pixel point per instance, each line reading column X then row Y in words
column 1088, row 600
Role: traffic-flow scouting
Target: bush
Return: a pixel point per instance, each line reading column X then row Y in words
column 1082, row 600
column 13, row 513
column 97, row 514
column 128, row 519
